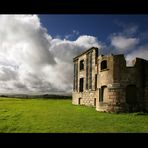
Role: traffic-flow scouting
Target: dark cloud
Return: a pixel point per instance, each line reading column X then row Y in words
column 7, row 74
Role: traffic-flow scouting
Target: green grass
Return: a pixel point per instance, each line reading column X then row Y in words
column 60, row 116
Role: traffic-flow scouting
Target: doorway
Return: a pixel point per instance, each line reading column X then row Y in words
column 79, row 101
column 94, row 101
column 131, row 94
column 103, row 94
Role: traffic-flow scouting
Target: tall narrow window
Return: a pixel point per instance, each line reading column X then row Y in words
column 94, row 101
column 81, row 64
column 81, row 84
column 100, row 95
column 95, row 81
column 76, row 75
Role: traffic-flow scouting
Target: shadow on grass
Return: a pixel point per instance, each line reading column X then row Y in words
column 141, row 113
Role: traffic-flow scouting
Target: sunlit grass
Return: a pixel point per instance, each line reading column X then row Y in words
column 60, row 116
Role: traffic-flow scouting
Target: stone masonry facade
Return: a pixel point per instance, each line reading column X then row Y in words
column 106, row 83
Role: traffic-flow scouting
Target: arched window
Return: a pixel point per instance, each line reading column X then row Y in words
column 104, row 64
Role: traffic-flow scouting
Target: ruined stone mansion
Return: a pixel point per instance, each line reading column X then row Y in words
column 105, row 82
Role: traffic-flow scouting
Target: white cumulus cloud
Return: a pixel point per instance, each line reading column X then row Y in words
column 32, row 61
column 124, row 43
column 141, row 52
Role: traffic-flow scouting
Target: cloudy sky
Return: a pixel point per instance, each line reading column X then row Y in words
column 36, row 51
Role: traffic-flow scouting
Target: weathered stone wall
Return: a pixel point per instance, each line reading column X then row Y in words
column 146, row 99
column 146, row 85
column 122, row 77
column 88, row 96
column 115, row 102
column 105, row 76
column 81, row 73
column 113, row 84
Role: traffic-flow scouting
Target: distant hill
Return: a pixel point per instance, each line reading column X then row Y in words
column 46, row 96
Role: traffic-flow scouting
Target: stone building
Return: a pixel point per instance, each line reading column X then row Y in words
column 105, row 82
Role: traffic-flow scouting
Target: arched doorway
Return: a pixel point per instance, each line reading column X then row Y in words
column 131, row 94
column 131, row 97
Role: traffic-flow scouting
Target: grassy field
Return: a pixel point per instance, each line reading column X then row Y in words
column 60, row 116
